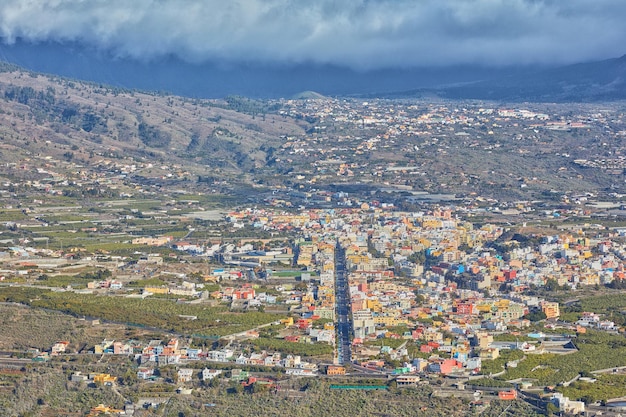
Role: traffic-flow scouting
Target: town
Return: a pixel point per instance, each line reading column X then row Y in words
column 428, row 295
column 471, row 252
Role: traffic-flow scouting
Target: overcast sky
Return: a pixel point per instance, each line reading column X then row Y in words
column 361, row 34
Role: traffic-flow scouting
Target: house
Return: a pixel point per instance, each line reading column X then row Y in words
column 210, row 373
column 167, row 359
column 115, row 285
column 243, row 294
column 290, row 361
column 322, row 335
column 102, row 347
column 300, row 371
column 426, row 349
column 489, row 353
column 407, row 380
column 193, row 354
column 101, row 409
column 256, row 359
column 184, row 375
column 120, row 348
column 473, row 364
column 566, row 405
column 445, row 367
column 103, row 379
column 273, row 360
column 78, row 377
column 335, row 370
column 292, row 338
column 145, row 373
column 220, row 355
column 507, row 395
column 588, row 319
column 59, row 347
column 239, row 375
column 551, row 309
column 606, row 325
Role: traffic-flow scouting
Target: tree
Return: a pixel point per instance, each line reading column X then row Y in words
column 552, row 285
column 552, row 409
column 536, row 316
column 418, row 257
column 130, row 377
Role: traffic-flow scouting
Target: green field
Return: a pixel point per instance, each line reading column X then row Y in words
column 156, row 313
column 596, row 350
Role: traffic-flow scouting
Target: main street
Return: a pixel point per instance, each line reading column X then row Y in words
column 342, row 300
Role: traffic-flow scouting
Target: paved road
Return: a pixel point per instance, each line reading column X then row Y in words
column 342, row 297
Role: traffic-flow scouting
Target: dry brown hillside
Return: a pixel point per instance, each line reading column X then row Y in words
column 40, row 112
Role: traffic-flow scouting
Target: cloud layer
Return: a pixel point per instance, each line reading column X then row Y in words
column 361, row 34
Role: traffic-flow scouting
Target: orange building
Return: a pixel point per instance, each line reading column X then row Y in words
column 551, row 309
column 507, row 395
column 336, row 370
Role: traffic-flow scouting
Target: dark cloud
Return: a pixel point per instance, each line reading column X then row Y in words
column 356, row 33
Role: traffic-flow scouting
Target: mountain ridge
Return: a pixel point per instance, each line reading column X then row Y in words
column 591, row 81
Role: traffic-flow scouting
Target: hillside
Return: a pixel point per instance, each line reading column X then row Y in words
column 63, row 132
column 67, row 118
column 584, row 82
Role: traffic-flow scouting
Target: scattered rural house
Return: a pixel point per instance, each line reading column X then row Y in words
column 208, row 374
column 104, row 379
column 184, row 375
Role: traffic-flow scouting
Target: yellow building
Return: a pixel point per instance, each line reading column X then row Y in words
column 157, row 290
column 104, row 379
column 389, row 321
column 374, row 305
column 489, row 353
column 483, row 340
column 551, row 309
column 484, row 307
column 287, row 322
column 102, row 409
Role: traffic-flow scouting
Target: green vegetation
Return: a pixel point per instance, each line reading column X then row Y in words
column 75, row 281
column 603, row 304
column 392, row 343
column 507, row 337
column 303, row 349
column 12, row 215
column 250, row 106
column 536, row 316
column 148, row 282
column 569, row 316
column 497, row 365
column 607, row 386
column 613, row 306
column 152, row 136
column 489, row 382
column 161, row 314
column 62, row 281
column 597, row 350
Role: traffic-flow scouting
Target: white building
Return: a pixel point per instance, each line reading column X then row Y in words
column 210, row 373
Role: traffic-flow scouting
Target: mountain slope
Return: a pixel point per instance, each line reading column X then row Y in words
column 594, row 81
column 227, row 137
